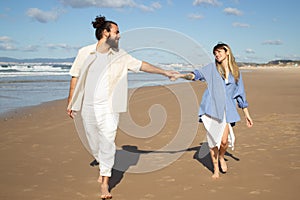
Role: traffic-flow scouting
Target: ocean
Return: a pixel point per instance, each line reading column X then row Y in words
column 29, row 84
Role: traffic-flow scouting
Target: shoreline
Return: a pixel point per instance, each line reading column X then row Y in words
column 8, row 114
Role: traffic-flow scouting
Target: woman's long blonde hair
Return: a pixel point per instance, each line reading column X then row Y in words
column 233, row 67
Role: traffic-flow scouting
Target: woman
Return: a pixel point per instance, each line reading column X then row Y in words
column 218, row 110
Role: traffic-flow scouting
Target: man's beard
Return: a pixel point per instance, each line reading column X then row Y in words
column 113, row 43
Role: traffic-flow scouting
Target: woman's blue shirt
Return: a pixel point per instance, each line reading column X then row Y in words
column 234, row 94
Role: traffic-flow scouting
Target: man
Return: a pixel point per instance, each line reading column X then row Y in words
column 98, row 88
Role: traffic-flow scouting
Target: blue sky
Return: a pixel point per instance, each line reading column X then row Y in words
column 256, row 30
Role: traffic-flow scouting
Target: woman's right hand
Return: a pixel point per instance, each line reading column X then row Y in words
column 188, row 76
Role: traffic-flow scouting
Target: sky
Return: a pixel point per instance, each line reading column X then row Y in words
column 256, row 30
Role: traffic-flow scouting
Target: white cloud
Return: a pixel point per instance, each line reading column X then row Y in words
column 207, row 2
column 5, row 39
column 6, row 43
column 236, row 1
column 242, row 25
column 251, row 58
column 250, row 51
column 31, row 48
column 98, row 3
column 3, row 16
column 288, row 57
column 195, row 16
column 110, row 4
column 61, row 46
column 233, row 11
column 7, row 47
column 154, row 6
column 43, row 16
column 272, row 42
column 170, row 2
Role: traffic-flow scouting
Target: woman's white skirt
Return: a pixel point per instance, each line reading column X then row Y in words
column 215, row 130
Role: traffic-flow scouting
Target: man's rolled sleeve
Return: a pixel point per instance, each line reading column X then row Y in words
column 133, row 64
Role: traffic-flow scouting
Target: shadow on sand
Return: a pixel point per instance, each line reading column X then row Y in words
column 129, row 156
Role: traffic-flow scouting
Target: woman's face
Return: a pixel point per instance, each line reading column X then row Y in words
column 220, row 55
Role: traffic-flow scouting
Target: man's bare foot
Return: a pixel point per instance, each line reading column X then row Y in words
column 223, row 165
column 216, row 175
column 104, row 192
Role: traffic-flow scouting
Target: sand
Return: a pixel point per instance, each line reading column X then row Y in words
column 43, row 158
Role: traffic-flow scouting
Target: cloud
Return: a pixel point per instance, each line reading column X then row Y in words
column 3, row 16
column 288, row 57
column 272, row 42
column 31, row 48
column 6, row 44
column 110, row 4
column 7, row 47
column 170, row 2
column 5, row 39
column 195, row 16
column 250, row 51
column 99, row 3
column 207, row 2
column 154, row 6
column 251, row 58
column 61, row 46
column 237, row 24
column 43, row 16
column 232, row 11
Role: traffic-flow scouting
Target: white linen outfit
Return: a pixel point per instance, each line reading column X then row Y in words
column 101, row 94
column 215, row 130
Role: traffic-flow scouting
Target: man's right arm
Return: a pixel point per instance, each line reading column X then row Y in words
column 73, row 82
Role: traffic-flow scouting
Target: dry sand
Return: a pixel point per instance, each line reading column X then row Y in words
column 43, row 158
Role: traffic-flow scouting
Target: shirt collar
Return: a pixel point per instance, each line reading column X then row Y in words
column 112, row 51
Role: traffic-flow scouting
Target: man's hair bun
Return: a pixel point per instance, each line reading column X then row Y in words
column 98, row 22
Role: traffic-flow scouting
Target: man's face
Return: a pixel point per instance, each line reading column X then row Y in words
column 114, row 36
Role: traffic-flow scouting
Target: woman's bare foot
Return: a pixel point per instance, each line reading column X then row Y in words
column 223, row 165
column 104, row 192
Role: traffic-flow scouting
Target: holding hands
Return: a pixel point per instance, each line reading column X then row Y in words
column 188, row 76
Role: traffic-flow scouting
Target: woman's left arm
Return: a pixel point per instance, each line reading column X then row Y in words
column 249, row 120
column 242, row 102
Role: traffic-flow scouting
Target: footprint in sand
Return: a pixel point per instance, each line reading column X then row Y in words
column 187, row 188
column 272, row 176
column 81, row 195
column 166, row 179
column 255, row 192
column 41, row 172
column 32, row 188
column 149, row 196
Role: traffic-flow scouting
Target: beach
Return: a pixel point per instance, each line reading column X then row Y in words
column 42, row 156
